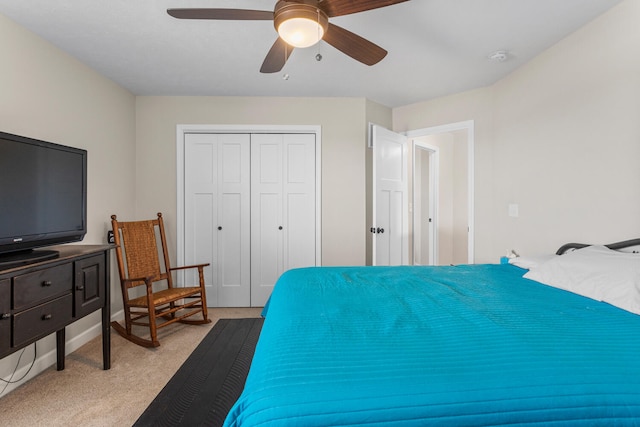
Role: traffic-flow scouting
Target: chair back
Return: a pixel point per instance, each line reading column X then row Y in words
column 138, row 252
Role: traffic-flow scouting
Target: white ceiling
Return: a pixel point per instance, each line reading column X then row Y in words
column 436, row 47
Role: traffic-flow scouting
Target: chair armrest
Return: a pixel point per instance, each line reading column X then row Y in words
column 189, row 266
column 200, row 268
column 148, row 281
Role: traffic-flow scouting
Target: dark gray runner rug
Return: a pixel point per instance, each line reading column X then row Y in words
column 210, row 381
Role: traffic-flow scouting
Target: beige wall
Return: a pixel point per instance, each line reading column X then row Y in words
column 46, row 94
column 560, row 137
column 460, row 197
column 567, row 140
column 343, row 123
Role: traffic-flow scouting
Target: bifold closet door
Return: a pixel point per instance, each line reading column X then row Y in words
column 283, row 208
column 217, row 214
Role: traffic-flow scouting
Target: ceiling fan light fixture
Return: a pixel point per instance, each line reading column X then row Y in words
column 300, row 32
column 300, row 25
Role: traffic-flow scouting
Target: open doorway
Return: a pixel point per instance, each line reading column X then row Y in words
column 442, row 188
column 425, row 203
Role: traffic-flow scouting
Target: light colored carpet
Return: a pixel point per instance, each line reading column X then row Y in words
column 85, row 395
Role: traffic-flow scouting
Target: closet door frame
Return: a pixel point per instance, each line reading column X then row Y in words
column 183, row 129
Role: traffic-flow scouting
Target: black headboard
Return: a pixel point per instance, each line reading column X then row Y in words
column 614, row 246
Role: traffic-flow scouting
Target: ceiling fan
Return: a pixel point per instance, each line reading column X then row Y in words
column 302, row 23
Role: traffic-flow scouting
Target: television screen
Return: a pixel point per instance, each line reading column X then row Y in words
column 42, row 193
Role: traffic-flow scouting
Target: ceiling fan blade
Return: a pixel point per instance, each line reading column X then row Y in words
column 225, row 14
column 277, row 57
column 346, row 7
column 353, row 45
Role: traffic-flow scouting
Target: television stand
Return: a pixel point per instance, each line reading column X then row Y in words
column 44, row 297
column 30, row 256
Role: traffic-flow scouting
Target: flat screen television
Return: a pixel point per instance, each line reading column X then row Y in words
column 43, row 198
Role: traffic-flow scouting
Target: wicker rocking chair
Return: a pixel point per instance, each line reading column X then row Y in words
column 140, row 267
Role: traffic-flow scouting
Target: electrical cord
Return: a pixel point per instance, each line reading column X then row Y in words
column 11, row 380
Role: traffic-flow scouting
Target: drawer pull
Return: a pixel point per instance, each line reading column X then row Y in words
column 4, row 316
column 47, row 283
column 47, row 317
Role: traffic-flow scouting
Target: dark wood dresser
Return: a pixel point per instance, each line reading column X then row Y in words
column 39, row 299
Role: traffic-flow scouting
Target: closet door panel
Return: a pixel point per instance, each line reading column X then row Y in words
column 300, row 250
column 266, row 246
column 234, row 223
column 200, row 213
column 203, row 246
column 299, row 213
column 266, row 215
column 230, row 243
column 218, row 165
column 282, row 210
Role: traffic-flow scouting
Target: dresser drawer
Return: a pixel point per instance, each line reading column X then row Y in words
column 41, row 320
column 41, row 285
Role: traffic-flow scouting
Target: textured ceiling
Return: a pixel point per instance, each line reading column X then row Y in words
column 436, row 47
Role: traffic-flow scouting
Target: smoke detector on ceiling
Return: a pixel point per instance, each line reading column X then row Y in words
column 499, row 56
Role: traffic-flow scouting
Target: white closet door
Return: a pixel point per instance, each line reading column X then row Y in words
column 282, row 208
column 299, row 210
column 217, row 214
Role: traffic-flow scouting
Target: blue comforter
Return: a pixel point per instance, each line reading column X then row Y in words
column 454, row 346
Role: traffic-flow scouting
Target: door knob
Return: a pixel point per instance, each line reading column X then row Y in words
column 219, row 228
column 380, row 230
column 280, row 228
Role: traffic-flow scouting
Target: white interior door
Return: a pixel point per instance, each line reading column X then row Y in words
column 283, row 208
column 217, row 214
column 390, row 198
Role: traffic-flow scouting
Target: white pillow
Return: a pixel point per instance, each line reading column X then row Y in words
column 529, row 262
column 596, row 272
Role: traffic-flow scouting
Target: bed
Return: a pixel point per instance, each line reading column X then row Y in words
column 464, row 345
